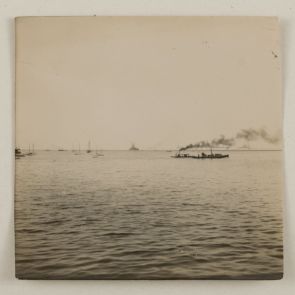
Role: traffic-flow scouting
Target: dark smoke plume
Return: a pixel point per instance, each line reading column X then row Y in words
column 246, row 134
column 223, row 141
column 252, row 134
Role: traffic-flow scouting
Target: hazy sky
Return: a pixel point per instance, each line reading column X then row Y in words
column 158, row 82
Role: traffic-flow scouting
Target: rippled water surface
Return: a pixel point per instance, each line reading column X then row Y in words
column 145, row 215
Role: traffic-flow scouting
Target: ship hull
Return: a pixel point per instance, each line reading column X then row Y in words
column 201, row 157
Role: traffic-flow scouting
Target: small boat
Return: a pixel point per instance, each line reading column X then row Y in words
column 76, row 153
column 18, row 153
column 133, row 148
column 30, row 153
column 89, row 147
column 97, row 154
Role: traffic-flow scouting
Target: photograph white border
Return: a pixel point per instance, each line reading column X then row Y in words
column 9, row 9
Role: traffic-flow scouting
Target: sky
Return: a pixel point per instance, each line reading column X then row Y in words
column 157, row 82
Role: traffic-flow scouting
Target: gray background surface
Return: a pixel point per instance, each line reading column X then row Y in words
column 285, row 9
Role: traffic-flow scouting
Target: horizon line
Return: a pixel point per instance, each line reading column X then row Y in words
column 166, row 150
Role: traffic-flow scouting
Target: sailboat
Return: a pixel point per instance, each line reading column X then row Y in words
column 76, row 153
column 29, row 153
column 133, row 148
column 89, row 147
column 97, row 154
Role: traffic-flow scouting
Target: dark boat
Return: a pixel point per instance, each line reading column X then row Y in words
column 200, row 156
column 30, row 153
column 18, row 153
column 89, row 147
column 133, row 148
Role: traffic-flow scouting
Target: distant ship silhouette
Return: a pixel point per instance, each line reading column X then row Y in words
column 133, row 148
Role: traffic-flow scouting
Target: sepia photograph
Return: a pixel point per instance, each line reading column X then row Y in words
column 148, row 147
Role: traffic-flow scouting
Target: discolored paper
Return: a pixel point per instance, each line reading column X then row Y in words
column 148, row 148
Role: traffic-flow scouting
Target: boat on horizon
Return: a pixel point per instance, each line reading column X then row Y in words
column 18, row 153
column 201, row 156
column 133, row 148
column 97, row 154
column 89, row 147
column 30, row 153
column 76, row 153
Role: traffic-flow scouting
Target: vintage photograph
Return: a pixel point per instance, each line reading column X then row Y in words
column 148, row 148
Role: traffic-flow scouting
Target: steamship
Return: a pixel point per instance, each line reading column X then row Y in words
column 203, row 155
column 133, row 148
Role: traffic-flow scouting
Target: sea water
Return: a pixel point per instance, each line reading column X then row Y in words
column 146, row 215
